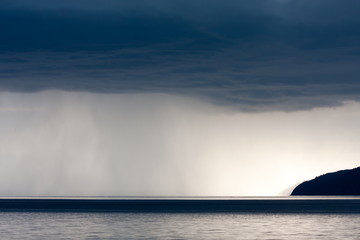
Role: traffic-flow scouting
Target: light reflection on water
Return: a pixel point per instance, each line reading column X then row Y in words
column 345, row 197
column 66, row 225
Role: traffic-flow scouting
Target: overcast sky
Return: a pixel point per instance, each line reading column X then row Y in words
column 176, row 97
column 254, row 55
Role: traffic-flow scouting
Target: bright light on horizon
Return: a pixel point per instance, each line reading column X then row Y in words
column 159, row 144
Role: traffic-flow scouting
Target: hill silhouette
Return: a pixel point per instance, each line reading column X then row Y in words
column 344, row 182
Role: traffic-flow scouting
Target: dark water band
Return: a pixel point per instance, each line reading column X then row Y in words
column 184, row 205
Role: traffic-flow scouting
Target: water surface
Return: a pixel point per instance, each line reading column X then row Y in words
column 271, row 222
column 45, row 225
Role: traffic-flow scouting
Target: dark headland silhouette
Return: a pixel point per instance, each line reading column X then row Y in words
column 344, row 182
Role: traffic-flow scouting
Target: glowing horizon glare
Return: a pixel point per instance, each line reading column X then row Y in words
column 56, row 143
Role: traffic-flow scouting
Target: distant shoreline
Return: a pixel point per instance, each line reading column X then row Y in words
column 340, row 183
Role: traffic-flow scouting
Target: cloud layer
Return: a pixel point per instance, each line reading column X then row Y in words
column 256, row 56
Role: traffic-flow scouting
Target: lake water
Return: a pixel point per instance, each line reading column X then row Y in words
column 29, row 223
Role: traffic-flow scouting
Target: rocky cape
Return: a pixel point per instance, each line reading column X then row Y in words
column 344, row 182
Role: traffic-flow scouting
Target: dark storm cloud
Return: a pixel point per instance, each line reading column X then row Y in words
column 285, row 54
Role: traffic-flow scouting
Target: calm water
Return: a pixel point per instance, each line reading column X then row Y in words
column 31, row 224
column 177, row 226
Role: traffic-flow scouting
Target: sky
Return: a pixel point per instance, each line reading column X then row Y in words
column 176, row 97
